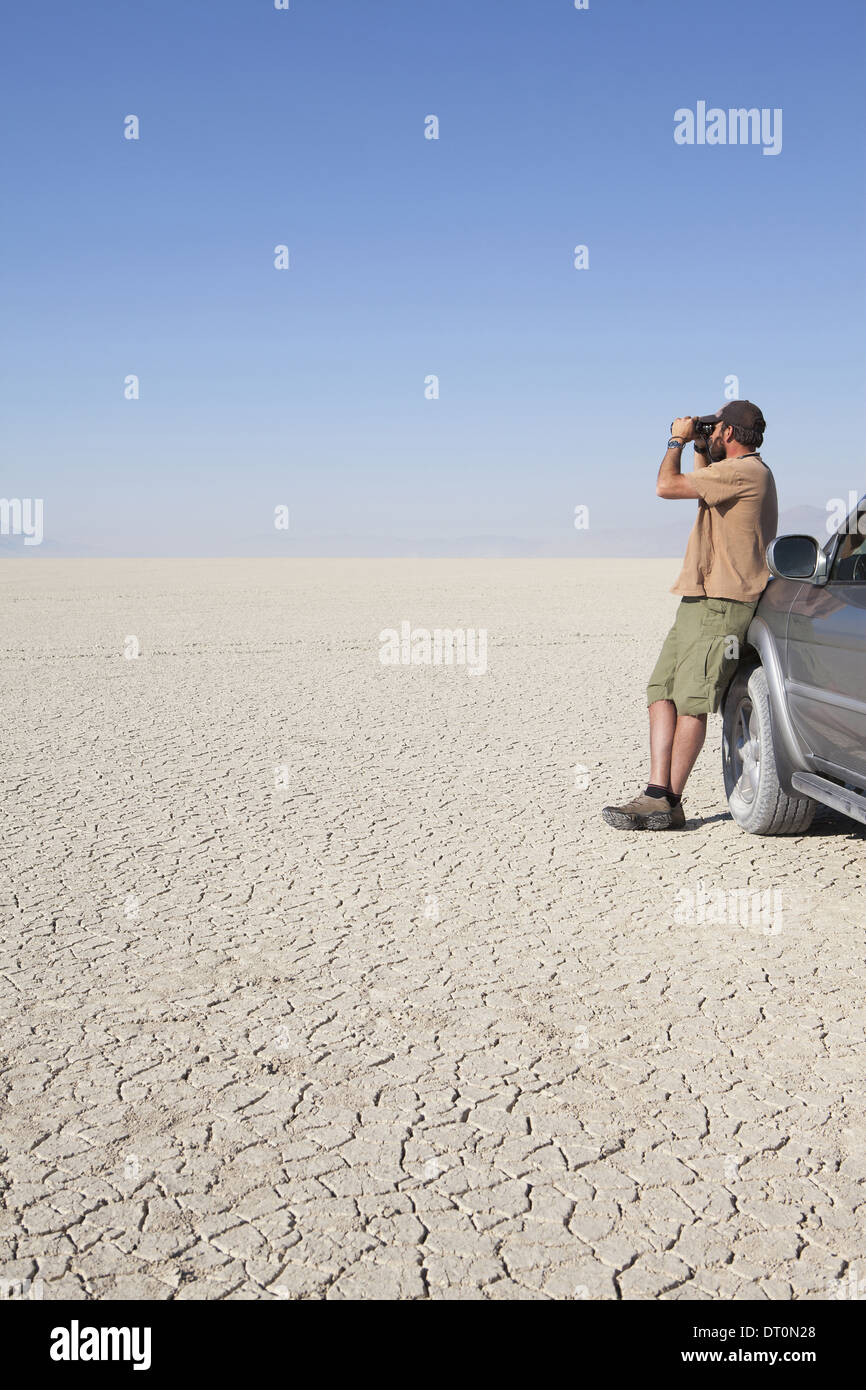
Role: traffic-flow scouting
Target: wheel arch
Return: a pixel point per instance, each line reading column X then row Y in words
column 761, row 650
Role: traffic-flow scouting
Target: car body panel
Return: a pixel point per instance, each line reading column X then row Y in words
column 791, row 756
column 826, row 674
column 810, row 639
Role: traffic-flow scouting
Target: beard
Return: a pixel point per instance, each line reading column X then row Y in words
column 716, row 451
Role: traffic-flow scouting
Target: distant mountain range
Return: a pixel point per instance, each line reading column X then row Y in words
column 596, row 542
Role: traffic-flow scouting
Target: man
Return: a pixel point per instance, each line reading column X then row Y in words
column 723, row 576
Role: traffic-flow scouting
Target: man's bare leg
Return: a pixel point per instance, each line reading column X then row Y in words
column 663, row 723
column 675, row 742
column 691, row 730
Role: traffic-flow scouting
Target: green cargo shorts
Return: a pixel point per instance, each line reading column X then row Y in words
column 700, row 654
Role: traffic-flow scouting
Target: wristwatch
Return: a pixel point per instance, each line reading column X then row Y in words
column 674, row 443
column 701, row 449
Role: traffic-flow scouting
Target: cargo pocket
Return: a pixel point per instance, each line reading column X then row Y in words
column 720, row 663
column 715, row 610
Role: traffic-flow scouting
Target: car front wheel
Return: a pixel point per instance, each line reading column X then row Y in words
column 755, row 797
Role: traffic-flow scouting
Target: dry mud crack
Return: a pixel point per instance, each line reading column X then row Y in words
column 324, row 979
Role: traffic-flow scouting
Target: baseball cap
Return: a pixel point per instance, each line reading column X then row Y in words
column 742, row 413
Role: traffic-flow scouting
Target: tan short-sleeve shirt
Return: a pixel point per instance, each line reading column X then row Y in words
column 738, row 514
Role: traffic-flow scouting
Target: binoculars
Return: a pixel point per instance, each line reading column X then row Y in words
column 703, row 428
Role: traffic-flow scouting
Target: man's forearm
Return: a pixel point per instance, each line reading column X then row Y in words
column 671, row 466
column 702, row 456
column 671, row 482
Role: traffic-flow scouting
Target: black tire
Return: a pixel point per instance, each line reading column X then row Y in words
column 755, row 798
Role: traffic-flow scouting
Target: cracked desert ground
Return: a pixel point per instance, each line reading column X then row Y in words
column 325, row 979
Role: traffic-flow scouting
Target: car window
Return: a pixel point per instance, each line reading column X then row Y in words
column 849, row 562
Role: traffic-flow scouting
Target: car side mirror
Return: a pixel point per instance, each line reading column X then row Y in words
column 797, row 557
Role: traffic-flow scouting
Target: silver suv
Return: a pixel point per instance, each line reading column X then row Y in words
column 794, row 716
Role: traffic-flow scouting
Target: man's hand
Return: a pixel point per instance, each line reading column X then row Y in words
column 671, row 483
column 683, row 428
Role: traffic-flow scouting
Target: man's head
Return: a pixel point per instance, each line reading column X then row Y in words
column 738, row 428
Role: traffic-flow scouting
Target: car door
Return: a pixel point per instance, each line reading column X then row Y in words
column 826, row 658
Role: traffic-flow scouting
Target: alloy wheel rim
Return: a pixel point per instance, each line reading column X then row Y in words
column 746, row 752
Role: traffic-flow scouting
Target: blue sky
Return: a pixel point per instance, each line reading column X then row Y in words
column 412, row 257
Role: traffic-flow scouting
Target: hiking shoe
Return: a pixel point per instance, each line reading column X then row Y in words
column 646, row 813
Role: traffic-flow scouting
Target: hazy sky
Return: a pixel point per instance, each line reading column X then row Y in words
column 412, row 257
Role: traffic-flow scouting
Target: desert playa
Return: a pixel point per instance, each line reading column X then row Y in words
column 323, row 978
